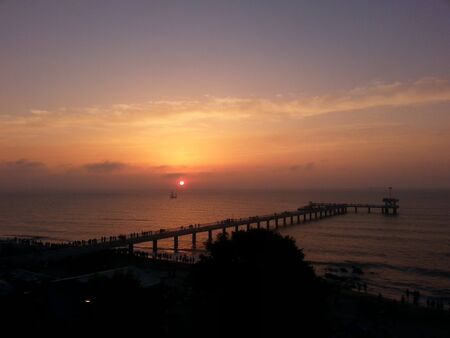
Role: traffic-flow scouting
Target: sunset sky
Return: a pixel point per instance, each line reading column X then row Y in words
column 224, row 94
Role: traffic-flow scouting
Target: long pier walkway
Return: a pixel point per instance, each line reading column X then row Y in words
column 310, row 212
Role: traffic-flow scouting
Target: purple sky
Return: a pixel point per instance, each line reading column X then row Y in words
column 65, row 53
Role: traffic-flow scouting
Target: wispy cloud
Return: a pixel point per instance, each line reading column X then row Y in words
column 22, row 166
column 39, row 112
column 104, row 167
column 174, row 175
column 303, row 167
column 203, row 112
column 427, row 90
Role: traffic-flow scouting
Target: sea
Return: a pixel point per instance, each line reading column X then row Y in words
column 390, row 253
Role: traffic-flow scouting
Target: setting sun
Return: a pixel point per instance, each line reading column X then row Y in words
column 181, row 183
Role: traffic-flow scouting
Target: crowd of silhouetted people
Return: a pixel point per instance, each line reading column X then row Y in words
column 33, row 243
column 81, row 243
column 414, row 297
column 104, row 239
column 166, row 256
column 121, row 237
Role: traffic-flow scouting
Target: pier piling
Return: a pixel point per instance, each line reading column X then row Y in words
column 175, row 244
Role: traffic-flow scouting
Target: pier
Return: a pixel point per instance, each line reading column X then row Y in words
column 389, row 207
column 312, row 212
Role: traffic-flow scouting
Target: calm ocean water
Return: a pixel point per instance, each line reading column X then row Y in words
column 411, row 250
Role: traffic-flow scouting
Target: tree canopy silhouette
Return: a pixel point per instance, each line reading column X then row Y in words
column 257, row 283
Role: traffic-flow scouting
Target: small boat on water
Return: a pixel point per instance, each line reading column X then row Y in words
column 173, row 194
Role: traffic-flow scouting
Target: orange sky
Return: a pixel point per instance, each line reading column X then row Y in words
column 378, row 135
column 304, row 94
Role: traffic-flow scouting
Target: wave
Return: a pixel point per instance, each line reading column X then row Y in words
column 431, row 272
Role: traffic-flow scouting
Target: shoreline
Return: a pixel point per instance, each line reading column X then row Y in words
column 332, row 272
column 369, row 315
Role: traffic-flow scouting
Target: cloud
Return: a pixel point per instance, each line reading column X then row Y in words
column 22, row 166
column 39, row 112
column 27, row 175
column 173, row 175
column 104, row 167
column 397, row 94
column 199, row 113
column 426, row 90
column 303, row 167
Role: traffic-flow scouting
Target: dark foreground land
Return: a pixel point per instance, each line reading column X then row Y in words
column 256, row 284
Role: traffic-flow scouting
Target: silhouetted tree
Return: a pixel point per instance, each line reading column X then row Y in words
column 257, row 283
